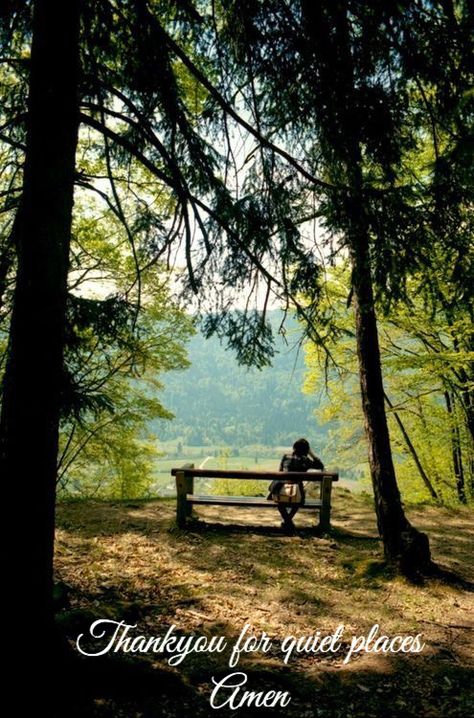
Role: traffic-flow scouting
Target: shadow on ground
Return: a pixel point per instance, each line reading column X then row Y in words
column 128, row 562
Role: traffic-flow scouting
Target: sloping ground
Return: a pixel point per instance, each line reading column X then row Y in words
column 127, row 561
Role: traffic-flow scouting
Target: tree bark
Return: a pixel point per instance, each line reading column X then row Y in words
column 456, row 449
column 33, row 376
column 403, row 544
column 467, row 403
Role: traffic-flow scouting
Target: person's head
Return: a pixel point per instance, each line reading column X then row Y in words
column 301, row 447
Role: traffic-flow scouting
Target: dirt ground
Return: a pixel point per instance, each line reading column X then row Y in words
column 231, row 567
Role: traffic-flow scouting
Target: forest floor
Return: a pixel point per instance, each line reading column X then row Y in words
column 126, row 561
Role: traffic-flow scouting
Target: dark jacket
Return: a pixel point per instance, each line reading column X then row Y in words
column 292, row 462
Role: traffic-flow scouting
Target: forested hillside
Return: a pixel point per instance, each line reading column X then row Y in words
column 216, row 402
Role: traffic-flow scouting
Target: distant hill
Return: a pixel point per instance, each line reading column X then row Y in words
column 216, row 402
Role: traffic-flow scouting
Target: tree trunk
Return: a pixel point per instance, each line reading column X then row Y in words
column 403, row 544
column 467, row 403
column 456, row 449
column 33, row 376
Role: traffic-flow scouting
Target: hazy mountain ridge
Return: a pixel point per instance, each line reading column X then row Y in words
column 217, row 402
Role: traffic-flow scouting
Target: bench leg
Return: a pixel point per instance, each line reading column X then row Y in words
column 181, row 503
column 189, row 485
column 325, row 511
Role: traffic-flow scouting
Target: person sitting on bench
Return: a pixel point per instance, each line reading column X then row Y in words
column 301, row 459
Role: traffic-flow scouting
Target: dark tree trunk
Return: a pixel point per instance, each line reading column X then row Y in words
column 465, row 397
column 403, row 544
column 7, row 258
column 456, row 449
column 467, row 403
column 32, row 384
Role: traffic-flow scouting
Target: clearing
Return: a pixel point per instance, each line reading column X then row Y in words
column 127, row 561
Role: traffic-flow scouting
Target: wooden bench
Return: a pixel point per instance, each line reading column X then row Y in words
column 186, row 498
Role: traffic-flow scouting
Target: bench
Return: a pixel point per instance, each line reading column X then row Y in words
column 186, row 499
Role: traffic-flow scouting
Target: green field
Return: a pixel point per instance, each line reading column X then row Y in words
column 201, row 456
column 165, row 486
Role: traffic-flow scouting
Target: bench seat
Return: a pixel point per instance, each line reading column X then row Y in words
column 244, row 501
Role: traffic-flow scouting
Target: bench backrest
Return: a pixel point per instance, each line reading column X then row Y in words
column 255, row 475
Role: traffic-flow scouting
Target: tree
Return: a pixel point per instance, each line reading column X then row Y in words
column 115, row 358
column 350, row 120
column 340, row 83
column 418, row 357
column 41, row 236
column 34, row 377
column 443, row 355
column 142, row 127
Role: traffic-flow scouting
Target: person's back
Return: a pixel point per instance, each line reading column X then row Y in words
column 294, row 462
column 302, row 459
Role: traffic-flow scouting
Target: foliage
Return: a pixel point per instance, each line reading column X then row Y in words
column 114, row 362
column 159, row 148
column 235, row 487
column 420, row 355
